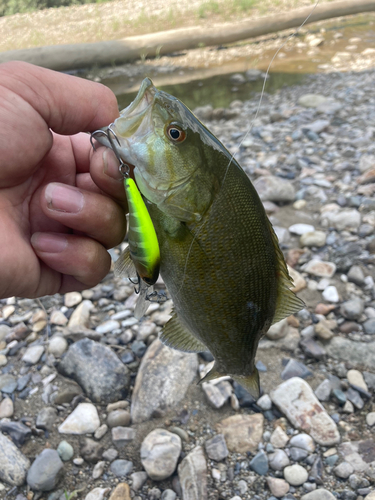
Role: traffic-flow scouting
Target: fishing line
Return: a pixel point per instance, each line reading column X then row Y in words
column 248, row 131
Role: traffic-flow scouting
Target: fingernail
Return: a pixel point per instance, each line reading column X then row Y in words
column 64, row 198
column 48, row 242
column 111, row 165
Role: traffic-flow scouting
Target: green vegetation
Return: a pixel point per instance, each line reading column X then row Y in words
column 9, row 7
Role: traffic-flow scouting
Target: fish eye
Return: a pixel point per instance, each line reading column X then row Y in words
column 175, row 133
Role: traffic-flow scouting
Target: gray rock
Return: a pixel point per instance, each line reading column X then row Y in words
column 6, row 408
column 295, row 369
column 138, row 480
column 46, row 471
column 295, row 475
column 107, row 327
column 86, row 357
column 216, row 448
column 278, row 460
column 313, row 239
column 121, row 468
column 98, row 470
column 272, row 188
column 65, row 451
column 159, row 453
column 303, row 441
column 33, row 354
column 8, row 383
column 369, row 326
column 91, row 450
column 344, row 470
column 312, row 100
column 305, row 412
column 14, row 464
column 118, row 417
column 352, row 309
column 57, row 346
column 18, row 432
column 369, row 379
column 110, row 454
column 319, row 494
column 168, row 495
column 278, row 330
column 259, row 463
column 359, row 354
column 121, row 436
column 46, row 418
column 355, row 275
column 162, row 380
column 192, row 473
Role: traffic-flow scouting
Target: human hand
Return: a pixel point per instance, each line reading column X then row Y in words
column 56, row 219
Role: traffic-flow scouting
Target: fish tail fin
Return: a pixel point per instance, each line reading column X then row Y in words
column 250, row 383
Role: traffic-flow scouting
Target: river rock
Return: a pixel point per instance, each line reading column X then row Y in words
column 319, row 494
column 118, row 417
column 121, row 492
column 360, row 354
column 313, row 239
column 345, row 219
column 355, row 378
column 46, row 418
column 85, row 358
column 320, row 268
column 359, row 454
column 46, row 471
column 279, row 438
column 83, row 420
column 81, row 315
column 65, row 451
column 278, row 487
column 242, row 433
column 353, row 308
column 121, row 468
column 278, row 460
column 14, row 464
column 159, row 453
column 295, row 474
column 57, row 346
column 272, row 188
column 216, row 448
column 33, row 354
column 162, row 380
column 192, row 473
column 297, row 401
column 278, row 330
column 97, row 494
column 312, row 100
column 6, row 408
column 121, row 436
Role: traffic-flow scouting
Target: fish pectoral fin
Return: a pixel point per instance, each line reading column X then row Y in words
column 124, row 265
column 287, row 303
column 250, row 383
column 177, row 336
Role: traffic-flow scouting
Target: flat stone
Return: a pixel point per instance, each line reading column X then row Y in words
column 323, row 269
column 121, row 492
column 359, row 454
column 72, row 299
column 301, row 229
column 83, row 420
column 46, row 471
column 344, row 470
column 18, row 432
column 242, row 433
column 330, row 294
column 121, row 468
column 355, row 378
column 296, row 400
column 278, row 330
column 353, row 308
column 265, row 402
column 259, row 463
column 369, row 326
column 33, row 354
column 295, row 369
column 108, row 327
column 8, row 383
column 121, row 436
column 98, row 470
column 279, row 438
column 271, row 188
column 46, row 418
column 81, row 315
column 217, row 393
column 303, row 441
column 118, row 417
column 14, row 464
column 216, row 448
column 138, row 480
column 278, row 487
column 85, row 358
column 101, row 431
column 97, row 494
column 278, row 460
column 295, row 474
column 322, row 331
column 319, row 494
column 323, row 391
column 159, row 453
column 359, row 354
column 298, row 280
column 313, row 239
column 312, row 100
column 192, row 473
column 162, row 380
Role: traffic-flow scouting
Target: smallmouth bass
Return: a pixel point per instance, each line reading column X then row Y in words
column 219, row 255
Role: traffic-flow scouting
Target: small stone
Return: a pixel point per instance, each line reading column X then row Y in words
column 46, row 471
column 370, row 419
column 46, row 418
column 313, row 239
column 322, row 331
column 275, row 189
column 14, row 464
column 121, row 468
column 343, row 470
column 101, row 431
column 320, row 268
column 121, row 492
column 192, row 473
column 319, row 494
column 97, row 494
column 278, row 487
column 278, row 330
column 331, row 294
column 18, row 432
column 303, row 441
column 8, row 383
column 242, row 433
column 83, row 420
column 107, row 327
column 355, row 378
column 298, row 280
column 58, row 318
column 121, row 436
column 259, row 463
column 138, row 480
column 110, row 454
column 98, row 470
column 352, row 309
column 118, row 417
column 265, row 402
column 33, row 354
column 312, row 100
column 216, row 448
column 81, row 315
column 279, row 438
column 356, row 275
column 278, row 460
column 369, row 326
column 91, row 450
column 168, row 495
column 6, row 408
column 301, row 229
column 323, row 391
column 72, row 299
column 159, row 453
column 65, row 451
column 295, row 475
column 3, row 360
column 295, row 369
column 57, row 346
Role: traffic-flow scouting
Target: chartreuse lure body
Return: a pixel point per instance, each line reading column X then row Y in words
column 143, row 242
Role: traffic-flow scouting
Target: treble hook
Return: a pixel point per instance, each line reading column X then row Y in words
column 93, row 134
column 124, row 167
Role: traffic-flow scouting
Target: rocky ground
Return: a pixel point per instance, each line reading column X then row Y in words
column 94, row 407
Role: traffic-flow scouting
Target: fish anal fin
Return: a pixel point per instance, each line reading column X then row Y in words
column 250, row 383
column 124, row 266
column 177, row 336
column 287, row 302
column 211, row 375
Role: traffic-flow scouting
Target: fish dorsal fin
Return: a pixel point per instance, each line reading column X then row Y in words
column 287, row 302
column 124, row 265
column 177, row 336
column 250, row 383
